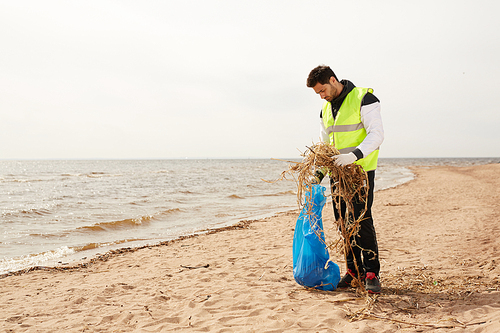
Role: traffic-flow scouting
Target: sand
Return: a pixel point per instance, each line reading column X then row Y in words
column 438, row 239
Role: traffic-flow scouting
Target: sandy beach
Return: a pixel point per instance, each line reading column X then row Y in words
column 439, row 246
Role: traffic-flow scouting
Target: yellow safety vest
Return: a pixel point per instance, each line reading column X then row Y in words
column 346, row 131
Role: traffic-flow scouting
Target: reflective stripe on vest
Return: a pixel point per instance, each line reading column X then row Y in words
column 346, row 131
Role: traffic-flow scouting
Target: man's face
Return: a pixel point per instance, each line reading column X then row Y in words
column 327, row 91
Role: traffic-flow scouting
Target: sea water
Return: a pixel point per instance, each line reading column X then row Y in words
column 55, row 211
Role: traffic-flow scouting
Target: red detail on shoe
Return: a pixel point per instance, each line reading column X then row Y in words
column 371, row 275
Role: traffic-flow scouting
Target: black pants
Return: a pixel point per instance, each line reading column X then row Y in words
column 364, row 245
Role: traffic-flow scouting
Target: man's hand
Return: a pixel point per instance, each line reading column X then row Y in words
column 345, row 159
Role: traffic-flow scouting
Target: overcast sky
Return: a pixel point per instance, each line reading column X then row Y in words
column 217, row 79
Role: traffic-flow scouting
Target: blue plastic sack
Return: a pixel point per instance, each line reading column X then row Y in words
column 311, row 262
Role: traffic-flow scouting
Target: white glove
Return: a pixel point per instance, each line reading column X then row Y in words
column 345, row 159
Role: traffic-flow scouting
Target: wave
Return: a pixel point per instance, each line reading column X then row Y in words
column 92, row 246
column 53, row 257
column 113, row 225
column 234, row 196
column 167, row 212
column 128, row 223
column 280, row 193
column 50, row 235
column 23, row 180
column 187, row 192
column 277, row 194
column 30, row 260
column 100, row 175
column 28, row 213
column 109, row 226
column 92, row 174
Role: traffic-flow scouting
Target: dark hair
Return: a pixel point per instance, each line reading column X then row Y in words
column 320, row 74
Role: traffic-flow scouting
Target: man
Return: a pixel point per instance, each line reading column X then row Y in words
column 350, row 120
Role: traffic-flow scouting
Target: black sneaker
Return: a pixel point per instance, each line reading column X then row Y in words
column 347, row 279
column 372, row 284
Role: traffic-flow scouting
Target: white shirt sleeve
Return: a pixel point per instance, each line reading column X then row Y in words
column 372, row 121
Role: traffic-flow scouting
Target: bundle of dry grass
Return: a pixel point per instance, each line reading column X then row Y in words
column 348, row 183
